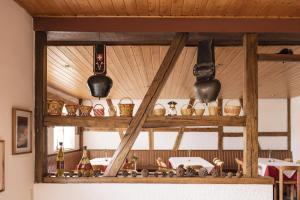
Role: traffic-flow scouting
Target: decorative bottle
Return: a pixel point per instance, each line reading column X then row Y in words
column 85, row 167
column 60, row 163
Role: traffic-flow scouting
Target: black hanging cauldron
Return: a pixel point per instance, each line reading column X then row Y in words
column 207, row 88
column 99, row 83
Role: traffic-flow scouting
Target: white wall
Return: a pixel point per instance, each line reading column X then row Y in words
column 152, row 191
column 16, row 89
column 295, row 127
column 272, row 117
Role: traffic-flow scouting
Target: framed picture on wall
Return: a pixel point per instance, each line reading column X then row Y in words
column 22, row 131
column 2, row 159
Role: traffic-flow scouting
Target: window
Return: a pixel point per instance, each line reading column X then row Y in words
column 65, row 134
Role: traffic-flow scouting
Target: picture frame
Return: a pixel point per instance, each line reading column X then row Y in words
column 21, row 131
column 2, row 165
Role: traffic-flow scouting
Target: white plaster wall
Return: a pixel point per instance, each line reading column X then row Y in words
column 272, row 117
column 16, row 89
column 295, row 127
column 152, row 192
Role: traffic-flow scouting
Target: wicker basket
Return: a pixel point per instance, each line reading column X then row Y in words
column 98, row 110
column 213, row 110
column 187, row 110
column 54, row 107
column 71, row 109
column 85, row 111
column 199, row 111
column 232, row 110
column 159, row 111
column 126, row 109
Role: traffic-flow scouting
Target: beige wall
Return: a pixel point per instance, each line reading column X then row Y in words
column 16, row 89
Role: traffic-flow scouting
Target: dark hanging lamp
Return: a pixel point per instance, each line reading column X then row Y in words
column 99, row 83
column 207, row 88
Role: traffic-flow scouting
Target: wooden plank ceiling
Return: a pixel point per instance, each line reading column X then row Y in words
column 132, row 69
column 212, row 8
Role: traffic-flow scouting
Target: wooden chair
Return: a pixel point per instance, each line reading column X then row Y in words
column 162, row 166
column 239, row 165
column 219, row 164
column 289, row 183
column 129, row 166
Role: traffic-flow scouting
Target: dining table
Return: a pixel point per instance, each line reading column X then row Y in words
column 190, row 161
column 270, row 167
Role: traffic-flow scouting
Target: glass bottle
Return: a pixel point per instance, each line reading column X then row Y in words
column 60, row 161
column 85, row 167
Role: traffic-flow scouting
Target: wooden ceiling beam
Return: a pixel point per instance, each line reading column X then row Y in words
column 147, row 104
column 132, row 24
column 151, row 122
column 279, row 57
column 166, row 129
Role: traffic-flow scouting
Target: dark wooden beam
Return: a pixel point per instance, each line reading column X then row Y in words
column 178, row 139
column 279, row 57
column 250, row 100
column 147, row 104
column 289, row 123
column 40, row 105
column 166, row 129
column 133, row 24
column 151, row 122
column 260, row 134
column 220, row 128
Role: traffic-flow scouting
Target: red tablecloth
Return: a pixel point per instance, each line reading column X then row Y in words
column 274, row 172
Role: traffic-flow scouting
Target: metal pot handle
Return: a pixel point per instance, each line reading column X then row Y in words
column 128, row 98
column 200, row 104
column 98, row 104
column 158, row 104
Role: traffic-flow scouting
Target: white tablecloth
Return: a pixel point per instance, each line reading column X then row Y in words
column 263, row 163
column 188, row 161
column 100, row 161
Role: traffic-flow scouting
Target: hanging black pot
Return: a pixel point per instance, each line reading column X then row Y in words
column 207, row 88
column 99, row 83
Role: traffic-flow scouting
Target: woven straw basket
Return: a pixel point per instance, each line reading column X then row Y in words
column 187, row 110
column 54, row 107
column 126, row 109
column 232, row 110
column 71, row 109
column 159, row 110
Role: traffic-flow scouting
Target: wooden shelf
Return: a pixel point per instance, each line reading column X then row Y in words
column 166, row 180
column 151, row 122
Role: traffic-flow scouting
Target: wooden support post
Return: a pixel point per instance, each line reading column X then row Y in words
column 40, row 105
column 80, row 130
column 220, row 128
column 289, row 123
column 178, row 139
column 250, row 100
column 151, row 139
column 147, row 104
